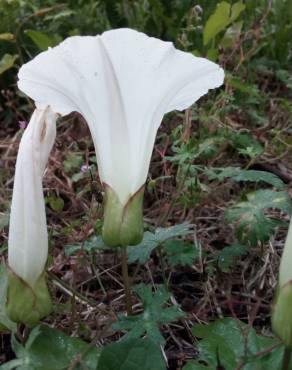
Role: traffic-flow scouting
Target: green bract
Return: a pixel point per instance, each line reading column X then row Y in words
column 26, row 304
column 123, row 224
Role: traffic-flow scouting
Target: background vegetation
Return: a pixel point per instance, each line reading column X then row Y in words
column 217, row 201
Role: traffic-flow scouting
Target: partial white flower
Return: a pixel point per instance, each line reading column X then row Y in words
column 286, row 261
column 122, row 82
column 28, row 239
column 281, row 317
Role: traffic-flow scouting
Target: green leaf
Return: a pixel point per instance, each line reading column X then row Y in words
column 5, row 322
column 56, row 203
column 131, row 354
column 42, row 41
column 73, row 162
column 224, row 15
column 247, row 145
column 251, row 222
column 227, row 256
column 7, row 62
column 91, row 245
column 141, row 252
column 50, row 349
column 181, row 253
column 227, row 342
column 152, row 316
column 237, row 174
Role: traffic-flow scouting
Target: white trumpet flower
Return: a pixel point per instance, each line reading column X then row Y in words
column 122, row 82
column 28, row 298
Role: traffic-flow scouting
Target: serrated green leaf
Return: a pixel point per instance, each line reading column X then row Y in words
column 50, row 349
column 227, row 256
column 230, row 341
column 131, row 354
column 91, row 245
column 141, row 252
column 152, row 316
column 7, row 62
column 181, row 253
column 247, row 145
column 237, row 174
column 251, row 222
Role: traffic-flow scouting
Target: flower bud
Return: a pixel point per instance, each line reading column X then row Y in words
column 28, row 298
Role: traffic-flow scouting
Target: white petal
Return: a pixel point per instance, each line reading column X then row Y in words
column 286, row 260
column 122, row 82
column 28, row 239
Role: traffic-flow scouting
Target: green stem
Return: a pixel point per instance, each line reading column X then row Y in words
column 286, row 358
column 126, row 280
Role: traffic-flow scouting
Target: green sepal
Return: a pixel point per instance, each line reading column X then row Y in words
column 123, row 224
column 26, row 304
column 282, row 314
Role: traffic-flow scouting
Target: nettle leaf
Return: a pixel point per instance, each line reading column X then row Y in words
column 237, row 174
column 181, row 253
column 223, row 16
column 155, row 313
column 131, row 354
column 141, row 252
column 50, row 349
column 252, row 224
column 91, row 245
column 227, row 342
column 228, row 255
column 5, row 322
column 247, row 145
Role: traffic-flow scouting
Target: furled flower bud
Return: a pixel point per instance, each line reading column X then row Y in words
column 28, row 299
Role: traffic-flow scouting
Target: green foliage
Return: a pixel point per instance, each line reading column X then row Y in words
column 56, row 203
column 238, row 174
column 228, row 256
column 131, row 354
column 141, row 252
column 222, row 17
column 154, row 313
column 252, row 225
column 93, row 244
column 42, row 41
column 50, row 349
column 180, row 253
column 7, row 62
column 73, row 162
column 228, row 342
column 247, row 145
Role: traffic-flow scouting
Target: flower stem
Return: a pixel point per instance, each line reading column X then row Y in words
column 126, row 280
column 286, row 358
